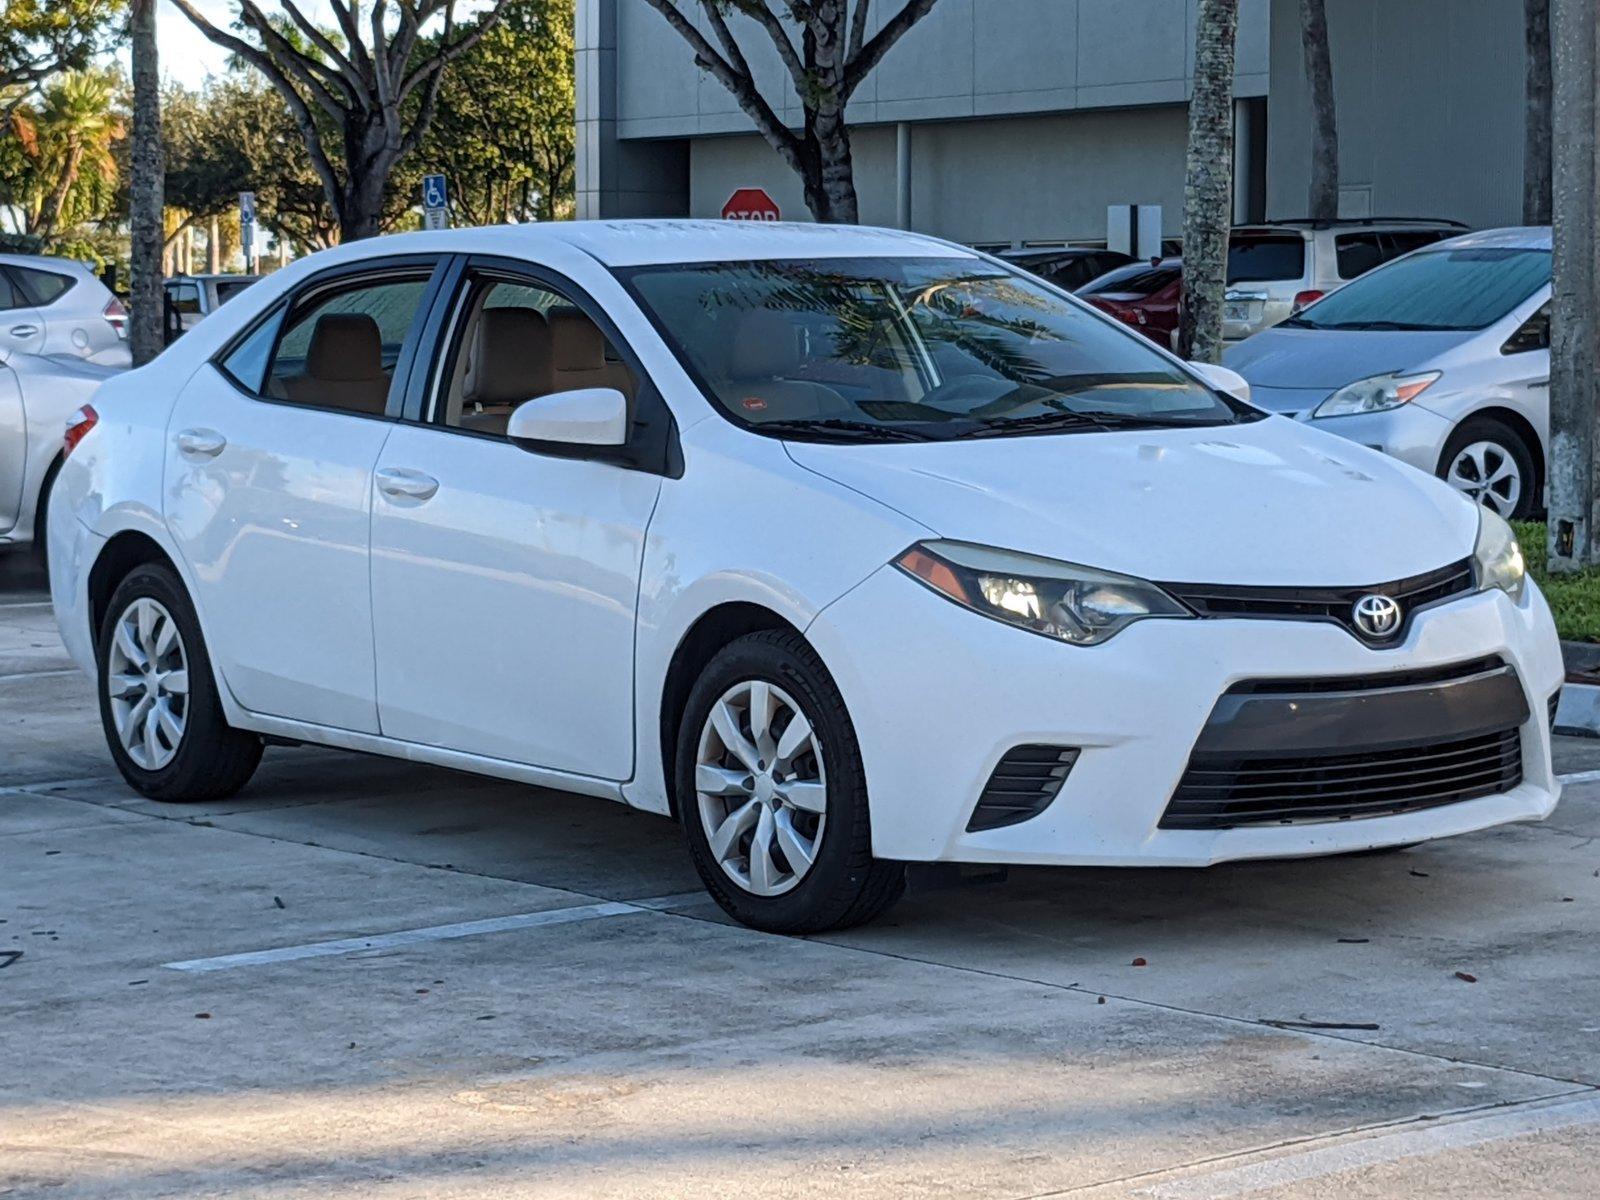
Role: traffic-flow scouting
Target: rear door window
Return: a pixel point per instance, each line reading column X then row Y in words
column 1136, row 279
column 1273, row 258
column 1360, row 252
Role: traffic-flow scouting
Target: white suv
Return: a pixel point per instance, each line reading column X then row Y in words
column 1277, row 268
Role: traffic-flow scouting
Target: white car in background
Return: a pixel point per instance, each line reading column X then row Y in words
column 846, row 547
column 1440, row 358
column 191, row 298
column 59, row 308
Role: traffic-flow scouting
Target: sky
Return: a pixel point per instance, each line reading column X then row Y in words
column 186, row 56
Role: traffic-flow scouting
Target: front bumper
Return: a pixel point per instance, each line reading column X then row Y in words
column 939, row 694
column 1410, row 433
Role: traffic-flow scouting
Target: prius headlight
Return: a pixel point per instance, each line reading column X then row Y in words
column 1059, row 600
column 1497, row 559
column 1378, row 394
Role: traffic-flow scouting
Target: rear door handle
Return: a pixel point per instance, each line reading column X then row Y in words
column 399, row 483
column 24, row 330
column 201, row 443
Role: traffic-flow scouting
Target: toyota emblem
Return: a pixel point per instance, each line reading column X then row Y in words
column 1377, row 616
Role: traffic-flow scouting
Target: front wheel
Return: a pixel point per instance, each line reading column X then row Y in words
column 772, row 794
column 1489, row 462
column 159, row 706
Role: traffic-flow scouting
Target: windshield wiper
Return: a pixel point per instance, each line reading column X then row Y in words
column 1151, row 420
column 1007, row 426
column 839, row 429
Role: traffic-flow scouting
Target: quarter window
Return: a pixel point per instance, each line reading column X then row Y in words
column 41, row 287
column 338, row 350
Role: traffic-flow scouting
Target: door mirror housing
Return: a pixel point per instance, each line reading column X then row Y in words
column 596, row 417
column 1228, row 382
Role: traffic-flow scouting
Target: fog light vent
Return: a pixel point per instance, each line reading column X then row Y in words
column 1022, row 786
column 1555, row 703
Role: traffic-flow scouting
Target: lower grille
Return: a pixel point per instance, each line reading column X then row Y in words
column 1219, row 792
column 1022, row 786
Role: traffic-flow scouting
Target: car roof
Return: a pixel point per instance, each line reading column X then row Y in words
column 220, row 277
column 648, row 242
column 1521, row 237
column 1310, row 224
column 45, row 262
column 1053, row 252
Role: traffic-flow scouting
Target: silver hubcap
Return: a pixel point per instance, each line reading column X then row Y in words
column 147, row 679
column 761, row 788
column 1487, row 472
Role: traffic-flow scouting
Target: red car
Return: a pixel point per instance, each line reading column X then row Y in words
column 1144, row 295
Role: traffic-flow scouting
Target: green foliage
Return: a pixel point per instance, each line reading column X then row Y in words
column 503, row 131
column 39, row 38
column 1575, row 598
column 59, row 164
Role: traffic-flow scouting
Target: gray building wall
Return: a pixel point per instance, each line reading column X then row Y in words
column 1029, row 116
column 1430, row 106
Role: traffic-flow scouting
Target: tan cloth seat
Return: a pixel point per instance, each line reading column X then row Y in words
column 343, row 367
column 578, row 356
column 509, row 362
column 765, row 351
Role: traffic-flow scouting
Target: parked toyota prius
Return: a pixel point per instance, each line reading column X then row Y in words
column 846, row 548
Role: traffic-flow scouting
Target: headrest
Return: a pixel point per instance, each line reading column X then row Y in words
column 576, row 342
column 510, row 357
column 345, row 348
column 765, row 346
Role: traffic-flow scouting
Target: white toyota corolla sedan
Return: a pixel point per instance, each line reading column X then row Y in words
column 848, row 548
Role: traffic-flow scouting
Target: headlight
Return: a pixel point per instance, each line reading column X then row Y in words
column 1497, row 559
column 1059, row 600
column 1378, row 394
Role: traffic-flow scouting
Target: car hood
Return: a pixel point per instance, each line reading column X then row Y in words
column 1268, row 502
column 1326, row 359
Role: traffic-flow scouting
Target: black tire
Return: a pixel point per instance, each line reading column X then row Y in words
column 845, row 885
column 212, row 759
column 1513, row 445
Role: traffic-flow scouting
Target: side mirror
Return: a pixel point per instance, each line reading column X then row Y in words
column 584, row 417
column 1228, row 382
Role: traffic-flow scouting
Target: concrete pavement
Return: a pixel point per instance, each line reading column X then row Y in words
column 563, row 1013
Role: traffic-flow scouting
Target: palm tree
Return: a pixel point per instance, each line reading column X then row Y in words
column 1536, row 189
column 74, row 131
column 1208, row 183
column 145, row 201
column 1324, row 196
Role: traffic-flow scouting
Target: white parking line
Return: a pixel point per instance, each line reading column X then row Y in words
column 408, row 937
column 1580, row 777
column 1512, row 1122
column 39, row 674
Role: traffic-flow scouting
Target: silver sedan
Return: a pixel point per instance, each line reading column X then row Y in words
column 1440, row 358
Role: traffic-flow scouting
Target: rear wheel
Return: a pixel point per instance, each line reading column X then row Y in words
column 1492, row 464
column 159, row 706
column 772, row 794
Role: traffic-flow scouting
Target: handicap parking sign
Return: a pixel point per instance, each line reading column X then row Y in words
column 434, row 192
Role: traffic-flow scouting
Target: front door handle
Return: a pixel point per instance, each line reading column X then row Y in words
column 24, row 330
column 399, row 483
column 201, row 443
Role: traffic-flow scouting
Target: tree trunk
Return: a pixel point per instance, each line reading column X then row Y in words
column 1575, row 305
column 1208, row 183
column 1324, row 197
column 1536, row 196
column 145, row 202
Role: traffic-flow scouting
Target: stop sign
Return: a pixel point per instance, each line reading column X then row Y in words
column 750, row 204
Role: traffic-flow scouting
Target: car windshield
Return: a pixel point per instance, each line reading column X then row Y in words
column 1135, row 279
column 1459, row 289
column 911, row 349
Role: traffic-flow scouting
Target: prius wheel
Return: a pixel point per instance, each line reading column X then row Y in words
column 1490, row 463
column 158, row 700
column 772, row 794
